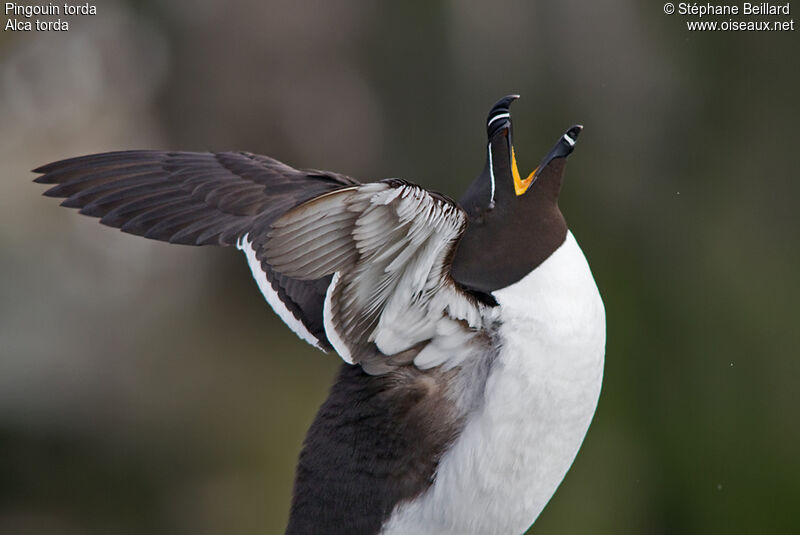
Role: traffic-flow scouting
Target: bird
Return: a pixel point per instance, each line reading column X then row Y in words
column 472, row 333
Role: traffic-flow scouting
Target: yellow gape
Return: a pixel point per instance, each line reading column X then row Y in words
column 520, row 186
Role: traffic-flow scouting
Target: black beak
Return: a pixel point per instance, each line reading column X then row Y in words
column 562, row 148
column 499, row 116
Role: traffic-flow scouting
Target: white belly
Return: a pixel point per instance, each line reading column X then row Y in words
column 540, row 397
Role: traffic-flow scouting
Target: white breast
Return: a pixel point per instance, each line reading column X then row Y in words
column 540, row 397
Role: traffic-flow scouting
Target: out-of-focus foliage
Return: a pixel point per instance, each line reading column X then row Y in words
column 147, row 388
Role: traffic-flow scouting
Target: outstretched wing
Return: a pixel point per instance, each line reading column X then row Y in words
column 199, row 199
column 391, row 300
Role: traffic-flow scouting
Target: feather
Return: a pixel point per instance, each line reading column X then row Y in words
column 198, row 198
column 388, row 243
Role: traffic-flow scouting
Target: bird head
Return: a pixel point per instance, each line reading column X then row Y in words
column 514, row 223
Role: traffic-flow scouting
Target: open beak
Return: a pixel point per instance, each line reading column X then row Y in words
column 562, row 149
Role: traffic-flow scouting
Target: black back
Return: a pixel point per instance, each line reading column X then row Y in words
column 375, row 443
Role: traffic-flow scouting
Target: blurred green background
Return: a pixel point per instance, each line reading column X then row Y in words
column 148, row 388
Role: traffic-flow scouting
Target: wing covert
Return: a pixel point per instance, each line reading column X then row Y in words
column 202, row 198
column 387, row 246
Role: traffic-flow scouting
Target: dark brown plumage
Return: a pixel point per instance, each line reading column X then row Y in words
column 410, row 304
column 198, row 198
